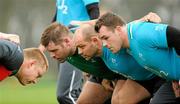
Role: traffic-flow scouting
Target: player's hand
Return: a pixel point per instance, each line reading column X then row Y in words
column 151, row 17
column 176, row 88
column 42, row 48
column 11, row 37
column 107, row 84
column 78, row 23
column 86, row 76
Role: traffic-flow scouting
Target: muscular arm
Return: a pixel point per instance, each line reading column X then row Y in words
column 12, row 37
column 150, row 17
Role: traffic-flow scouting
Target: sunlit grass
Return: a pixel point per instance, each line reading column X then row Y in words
column 11, row 92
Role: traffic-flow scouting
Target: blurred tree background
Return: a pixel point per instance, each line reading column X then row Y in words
column 28, row 18
column 130, row 10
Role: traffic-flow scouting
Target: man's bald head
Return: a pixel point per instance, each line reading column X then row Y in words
column 86, row 31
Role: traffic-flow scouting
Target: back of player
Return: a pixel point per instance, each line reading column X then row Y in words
column 153, row 49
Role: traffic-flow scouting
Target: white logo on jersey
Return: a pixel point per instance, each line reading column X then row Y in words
column 162, row 74
column 69, row 58
column 114, row 62
column 158, row 28
column 63, row 7
column 93, row 61
column 127, row 76
column 141, row 56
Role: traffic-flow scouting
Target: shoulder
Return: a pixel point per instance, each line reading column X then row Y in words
column 9, row 46
column 11, row 54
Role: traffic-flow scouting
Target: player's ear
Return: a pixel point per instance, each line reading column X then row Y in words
column 31, row 62
column 66, row 40
column 94, row 39
column 119, row 28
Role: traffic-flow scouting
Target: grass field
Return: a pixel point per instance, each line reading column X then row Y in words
column 11, row 92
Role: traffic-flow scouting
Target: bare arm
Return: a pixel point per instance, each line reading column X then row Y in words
column 151, row 17
column 41, row 48
column 12, row 37
column 92, row 22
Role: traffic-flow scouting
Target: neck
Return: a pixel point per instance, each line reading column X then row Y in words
column 100, row 46
column 72, row 45
column 18, row 75
column 125, row 38
column 73, row 49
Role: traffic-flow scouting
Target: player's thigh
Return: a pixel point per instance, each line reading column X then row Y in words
column 132, row 92
column 93, row 93
column 118, row 86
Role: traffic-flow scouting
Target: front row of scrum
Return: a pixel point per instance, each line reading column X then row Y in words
column 140, row 58
column 145, row 53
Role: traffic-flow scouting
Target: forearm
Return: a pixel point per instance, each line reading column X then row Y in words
column 41, row 48
column 151, row 17
column 11, row 37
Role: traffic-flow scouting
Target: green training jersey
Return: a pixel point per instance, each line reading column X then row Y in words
column 94, row 66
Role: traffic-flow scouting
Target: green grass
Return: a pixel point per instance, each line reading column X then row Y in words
column 44, row 92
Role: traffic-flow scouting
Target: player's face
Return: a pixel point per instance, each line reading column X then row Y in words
column 30, row 73
column 58, row 51
column 86, row 49
column 111, row 39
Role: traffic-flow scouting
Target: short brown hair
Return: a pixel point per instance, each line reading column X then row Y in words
column 35, row 53
column 54, row 32
column 109, row 20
